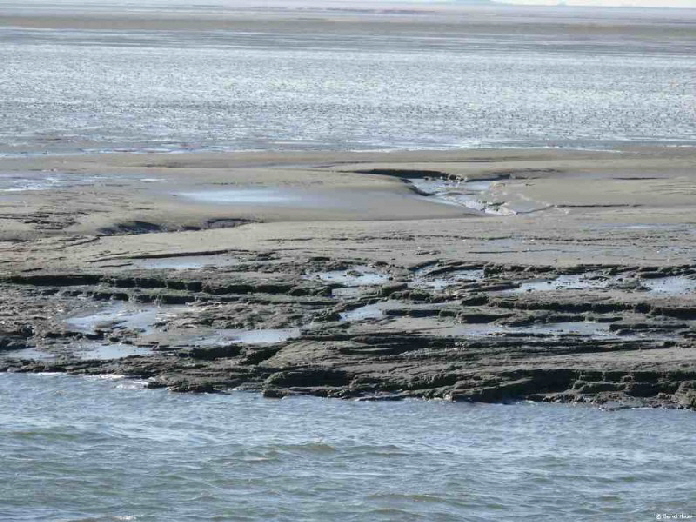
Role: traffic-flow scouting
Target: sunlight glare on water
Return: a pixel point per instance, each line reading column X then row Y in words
column 226, row 90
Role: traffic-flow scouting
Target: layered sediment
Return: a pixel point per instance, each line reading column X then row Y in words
column 477, row 276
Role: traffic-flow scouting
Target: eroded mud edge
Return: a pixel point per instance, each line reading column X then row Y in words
column 468, row 339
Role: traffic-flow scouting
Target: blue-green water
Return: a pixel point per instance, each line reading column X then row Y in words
column 90, row 449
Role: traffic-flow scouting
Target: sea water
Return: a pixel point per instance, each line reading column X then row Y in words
column 104, row 449
column 68, row 90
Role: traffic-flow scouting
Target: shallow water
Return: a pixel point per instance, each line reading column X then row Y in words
column 109, row 351
column 371, row 311
column 585, row 329
column 669, row 285
column 121, row 315
column 223, row 336
column 352, row 201
column 52, row 180
column 96, row 449
column 250, row 196
column 674, row 285
column 244, row 91
column 354, row 277
column 468, row 194
column 569, row 281
column 580, row 328
column 451, row 278
column 589, row 330
column 83, row 350
column 30, row 181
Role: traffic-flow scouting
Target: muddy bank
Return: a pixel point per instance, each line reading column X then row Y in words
column 126, row 194
column 473, row 276
column 371, row 331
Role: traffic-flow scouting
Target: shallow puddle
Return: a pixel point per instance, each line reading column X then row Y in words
column 351, row 201
column 254, row 196
column 574, row 281
column 581, row 328
column 124, row 316
column 261, row 336
column 353, row 277
column 438, row 187
column 105, row 352
column 31, row 354
column 671, row 285
column 46, row 181
column 82, row 351
column 466, row 194
column 371, row 311
column 576, row 328
column 441, row 281
column 641, row 226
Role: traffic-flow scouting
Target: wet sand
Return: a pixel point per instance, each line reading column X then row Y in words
column 467, row 275
column 561, row 207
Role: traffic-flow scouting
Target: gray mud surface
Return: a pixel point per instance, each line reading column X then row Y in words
column 576, row 301
column 265, row 325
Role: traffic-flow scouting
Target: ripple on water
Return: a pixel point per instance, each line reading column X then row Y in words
column 131, row 452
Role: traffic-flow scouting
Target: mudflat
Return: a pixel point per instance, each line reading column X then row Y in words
column 482, row 275
column 342, row 17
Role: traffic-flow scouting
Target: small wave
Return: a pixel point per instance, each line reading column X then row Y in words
column 132, row 385
column 309, row 447
column 105, row 377
column 408, row 498
column 114, row 518
column 402, row 514
column 49, row 434
column 389, row 450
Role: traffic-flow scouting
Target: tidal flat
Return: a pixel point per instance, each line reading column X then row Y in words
column 357, row 261
column 376, row 280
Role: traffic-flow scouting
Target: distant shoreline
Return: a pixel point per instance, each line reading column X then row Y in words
column 474, row 19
